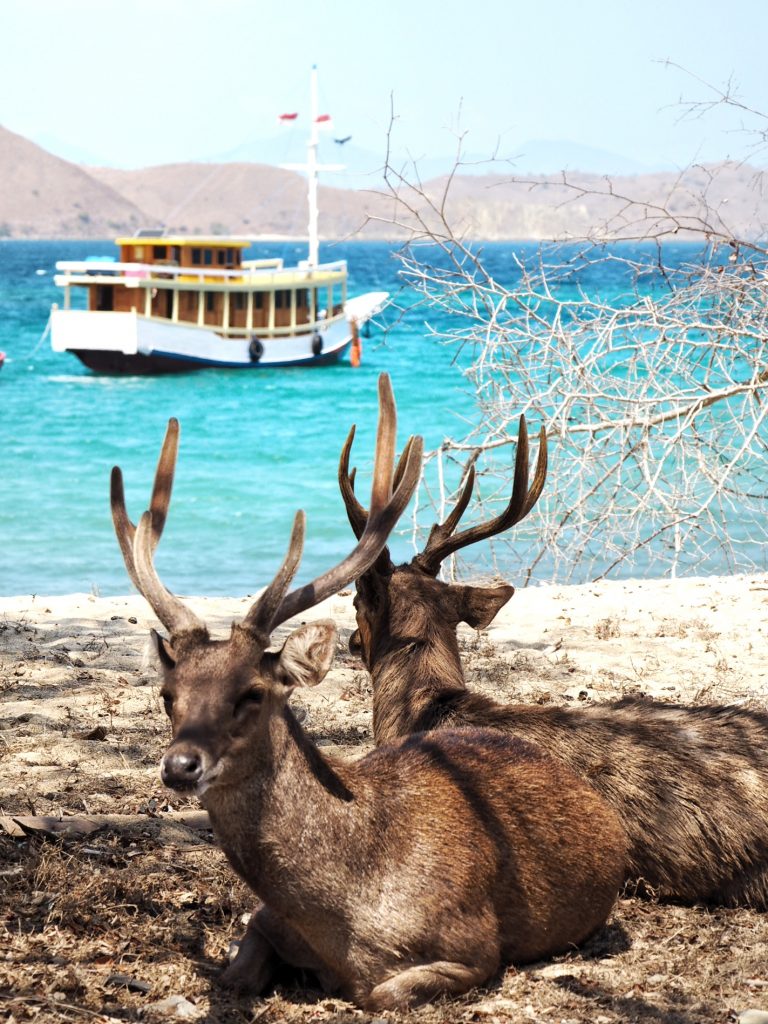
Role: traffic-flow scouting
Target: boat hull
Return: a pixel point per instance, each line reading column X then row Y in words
column 149, row 365
column 126, row 343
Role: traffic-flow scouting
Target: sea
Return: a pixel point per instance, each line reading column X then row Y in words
column 255, row 445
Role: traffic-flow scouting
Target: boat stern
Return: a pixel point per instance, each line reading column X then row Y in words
column 96, row 331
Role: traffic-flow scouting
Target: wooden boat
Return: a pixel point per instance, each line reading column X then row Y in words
column 176, row 303
column 172, row 304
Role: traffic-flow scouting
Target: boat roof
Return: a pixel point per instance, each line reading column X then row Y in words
column 184, row 240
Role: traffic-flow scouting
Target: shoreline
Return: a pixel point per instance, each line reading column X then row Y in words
column 688, row 639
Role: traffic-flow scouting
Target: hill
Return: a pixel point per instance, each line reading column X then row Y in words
column 43, row 196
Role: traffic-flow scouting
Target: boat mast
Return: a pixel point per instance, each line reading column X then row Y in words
column 312, row 167
column 314, row 241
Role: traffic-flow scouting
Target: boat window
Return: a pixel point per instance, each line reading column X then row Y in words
column 282, row 299
column 207, row 257
column 138, row 252
column 197, row 257
column 240, row 300
column 176, row 253
column 221, row 256
column 160, row 252
column 258, row 300
column 104, row 297
column 210, row 302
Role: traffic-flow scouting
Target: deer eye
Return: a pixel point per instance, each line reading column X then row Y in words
column 252, row 698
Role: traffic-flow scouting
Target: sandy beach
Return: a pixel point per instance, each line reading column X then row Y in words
column 82, row 731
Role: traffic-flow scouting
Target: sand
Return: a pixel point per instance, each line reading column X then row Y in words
column 82, row 730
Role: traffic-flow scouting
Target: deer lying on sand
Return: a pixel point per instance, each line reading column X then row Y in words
column 410, row 874
column 690, row 784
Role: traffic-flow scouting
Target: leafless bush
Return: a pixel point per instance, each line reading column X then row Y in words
column 644, row 359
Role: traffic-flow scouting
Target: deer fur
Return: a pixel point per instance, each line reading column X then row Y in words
column 689, row 784
column 412, row 873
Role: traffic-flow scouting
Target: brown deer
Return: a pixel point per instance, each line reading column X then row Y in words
column 407, row 875
column 690, row 784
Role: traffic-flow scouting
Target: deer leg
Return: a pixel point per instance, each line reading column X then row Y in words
column 253, row 966
column 424, row 983
column 268, row 942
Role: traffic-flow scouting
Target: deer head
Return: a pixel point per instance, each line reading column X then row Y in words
column 213, row 689
column 408, row 600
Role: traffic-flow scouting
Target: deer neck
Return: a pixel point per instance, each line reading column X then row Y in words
column 275, row 824
column 413, row 676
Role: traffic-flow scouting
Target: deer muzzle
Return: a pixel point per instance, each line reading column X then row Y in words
column 186, row 768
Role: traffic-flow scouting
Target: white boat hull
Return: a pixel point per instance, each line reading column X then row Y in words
column 129, row 343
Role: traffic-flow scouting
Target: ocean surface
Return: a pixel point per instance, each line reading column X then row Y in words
column 255, row 446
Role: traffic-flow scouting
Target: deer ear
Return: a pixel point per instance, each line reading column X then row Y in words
column 480, row 605
column 307, row 654
column 165, row 652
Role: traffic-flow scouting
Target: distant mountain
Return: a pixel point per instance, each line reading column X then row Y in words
column 43, row 196
column 364, row 168
column 235, row 198
column 549, row 156
column 361, row 167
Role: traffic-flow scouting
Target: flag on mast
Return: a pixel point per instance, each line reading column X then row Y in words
column 282, row 118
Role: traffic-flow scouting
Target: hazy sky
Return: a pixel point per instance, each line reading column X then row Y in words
column 136, row 82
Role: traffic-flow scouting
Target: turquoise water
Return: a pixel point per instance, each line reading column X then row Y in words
column 255, row 446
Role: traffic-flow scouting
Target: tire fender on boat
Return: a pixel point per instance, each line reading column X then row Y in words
column 255, row 349
column 317, row 344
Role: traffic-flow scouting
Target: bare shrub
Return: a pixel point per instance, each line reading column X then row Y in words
column 639, row 343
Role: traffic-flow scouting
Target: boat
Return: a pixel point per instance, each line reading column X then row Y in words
column 173, row 303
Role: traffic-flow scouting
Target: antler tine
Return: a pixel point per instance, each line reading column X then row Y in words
column 401, row 463
column 384, row 456
column 386, row 508
column 356, row 514
column 440, row 543
column 172, row 612
column 539, row 476
column 259, row 619
column 159, row 502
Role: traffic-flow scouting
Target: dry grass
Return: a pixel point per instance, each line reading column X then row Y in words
column 103, row 927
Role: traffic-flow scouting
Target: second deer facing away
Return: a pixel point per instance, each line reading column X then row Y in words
column 690, row 784
column 412, row 873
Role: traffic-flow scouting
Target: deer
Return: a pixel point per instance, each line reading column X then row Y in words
column 689, row 783
column 410, row 874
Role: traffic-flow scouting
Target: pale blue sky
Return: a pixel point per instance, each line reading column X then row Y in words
column 136, row 82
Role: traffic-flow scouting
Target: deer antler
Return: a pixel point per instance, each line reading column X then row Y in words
column 272, row 607
column 159, row 502
column 388, row 502
column 442, row 542
column 139, row 545
column 356, row 514
column 171, row 610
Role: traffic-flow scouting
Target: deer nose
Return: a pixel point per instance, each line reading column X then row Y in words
column 181, row 770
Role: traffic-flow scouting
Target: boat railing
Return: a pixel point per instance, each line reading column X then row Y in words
column 250, row 274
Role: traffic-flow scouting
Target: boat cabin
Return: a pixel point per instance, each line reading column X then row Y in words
column 206, row 282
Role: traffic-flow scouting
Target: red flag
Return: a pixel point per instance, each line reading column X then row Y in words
column 287, row 117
